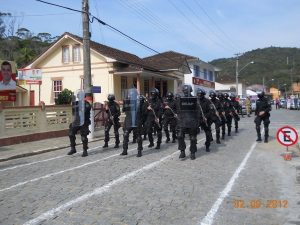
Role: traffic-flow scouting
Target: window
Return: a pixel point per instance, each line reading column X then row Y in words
column 76, row 53
column 123, row 86
column 211, row 76
column 65, row 54
column 205, row 74
column 196, row 71
column 57, row 88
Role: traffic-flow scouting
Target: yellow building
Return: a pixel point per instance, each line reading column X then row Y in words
column 111, row 69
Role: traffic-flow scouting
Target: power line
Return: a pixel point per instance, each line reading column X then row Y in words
column 216, row 25
column 196, row 26
column 111, row 27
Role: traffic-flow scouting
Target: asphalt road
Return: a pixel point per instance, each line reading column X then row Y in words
column 238, row 182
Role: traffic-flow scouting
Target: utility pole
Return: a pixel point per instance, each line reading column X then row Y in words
column 87, row 61
column 237, row 75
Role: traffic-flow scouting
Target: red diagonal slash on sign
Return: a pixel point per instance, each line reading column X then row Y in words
column 287, row 137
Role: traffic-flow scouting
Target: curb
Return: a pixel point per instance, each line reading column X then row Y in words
column 37, row 152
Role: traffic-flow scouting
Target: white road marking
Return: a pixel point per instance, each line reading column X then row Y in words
column 208, row 219
column 63, row 171
column 45, row 160
column 98, row 191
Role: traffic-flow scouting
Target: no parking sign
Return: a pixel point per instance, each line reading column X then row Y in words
column 287, row 136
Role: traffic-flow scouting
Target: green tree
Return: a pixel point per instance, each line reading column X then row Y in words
column 64, row 98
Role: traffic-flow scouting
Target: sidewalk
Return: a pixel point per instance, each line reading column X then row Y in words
column 42, row 146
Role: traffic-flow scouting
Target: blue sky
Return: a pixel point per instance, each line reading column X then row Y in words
column 208, row 29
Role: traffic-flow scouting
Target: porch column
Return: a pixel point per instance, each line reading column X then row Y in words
column 152, row 82
column 138, row 82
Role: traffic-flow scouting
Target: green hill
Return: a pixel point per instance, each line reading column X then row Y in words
column 272, row 63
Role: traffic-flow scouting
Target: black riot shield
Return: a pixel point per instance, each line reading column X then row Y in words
column 188, row 112
column 78, row 107
column 130, row 107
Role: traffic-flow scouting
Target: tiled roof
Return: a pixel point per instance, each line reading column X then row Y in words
column 113, row 53
column 168, row 60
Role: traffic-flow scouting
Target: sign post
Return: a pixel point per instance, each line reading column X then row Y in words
column 287, row 136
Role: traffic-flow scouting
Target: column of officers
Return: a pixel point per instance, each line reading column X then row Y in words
column 178, row 116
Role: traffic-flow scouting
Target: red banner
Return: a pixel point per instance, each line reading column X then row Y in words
column 203, row 83
column 8, row 96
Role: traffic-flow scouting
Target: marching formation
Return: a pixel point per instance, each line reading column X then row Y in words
column 178, row 116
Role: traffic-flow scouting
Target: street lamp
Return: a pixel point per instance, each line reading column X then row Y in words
column 237, row 71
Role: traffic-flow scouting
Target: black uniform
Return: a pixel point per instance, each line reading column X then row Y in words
column 84, row 128
column 154, row 118
column 262, row 105
column 214, row 117
column 228, row 112
column 170, row 117
column 222, row 114
column 188, row 121
column 113, row 113
column 235, row 109
column 204, row 115
column 135, row 112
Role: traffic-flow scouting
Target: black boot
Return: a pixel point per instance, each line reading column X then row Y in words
column 258, row 139
column 207, row 148
column 174, row 140
column 139, row 154
column 116, row 145
column 223, row 136
column 124, row 152
column 133, row 141
column 157, row 146
column 193, row 156
column 105, row 145
column 182, row 154
column 84, row 153
column 218, row 141
column 72, row 151
column 168, row 139
column 236, row 130
column 150, row 145
column 266, row 140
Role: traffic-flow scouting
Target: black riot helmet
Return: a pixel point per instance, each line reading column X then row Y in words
column 260, row 95
column 187, row 90
column 111, row 97
column 226, row 95
column 201, row 93
column 170, row 96
column 154, row 93
column 220, row 95
column 212, row 94
column 142, row 99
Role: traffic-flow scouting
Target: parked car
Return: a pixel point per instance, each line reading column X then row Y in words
column 282, row 103
column 253, row 105
column 243, row 106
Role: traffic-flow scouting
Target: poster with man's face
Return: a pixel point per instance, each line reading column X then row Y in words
column 7, row 80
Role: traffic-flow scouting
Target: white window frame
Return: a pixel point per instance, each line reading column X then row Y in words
column 76, row 53
column 65, row 54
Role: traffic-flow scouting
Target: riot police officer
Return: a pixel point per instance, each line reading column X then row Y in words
column 113, row 112
column 222, row 114
column 262, row 113
column 235, row 111
column 188, row 121
column 170, row 117
column 205, row 111
column 154, row 117
column 135, row 112
column 81, row 120
column 228, row 112
column 216, row 110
